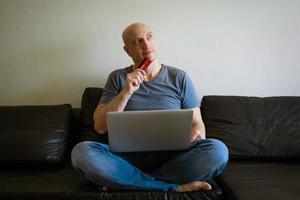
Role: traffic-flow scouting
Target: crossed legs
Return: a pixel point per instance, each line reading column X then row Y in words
column 186, row 171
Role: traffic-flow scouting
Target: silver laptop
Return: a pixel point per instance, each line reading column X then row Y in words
column 151, row 130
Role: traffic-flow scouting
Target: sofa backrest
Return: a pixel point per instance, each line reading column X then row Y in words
column 34, row 134
column 89, row 102
column 254, row 127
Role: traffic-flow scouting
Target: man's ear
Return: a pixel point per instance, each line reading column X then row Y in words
column 126, row 50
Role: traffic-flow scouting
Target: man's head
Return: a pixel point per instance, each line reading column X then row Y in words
column 139, row 42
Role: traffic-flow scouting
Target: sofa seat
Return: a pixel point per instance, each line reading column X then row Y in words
column 43, row 182
column 251, row 180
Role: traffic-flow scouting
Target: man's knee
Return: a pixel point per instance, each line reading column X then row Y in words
column 216, row 151
column 219, row 156
column 220, row 151
column 78, row 152
column 80, row 148
column 83, row 152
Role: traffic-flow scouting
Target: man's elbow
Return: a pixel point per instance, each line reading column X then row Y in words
column 99, row 129
column 99, row 121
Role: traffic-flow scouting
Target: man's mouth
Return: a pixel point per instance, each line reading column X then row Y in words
column 148, row 52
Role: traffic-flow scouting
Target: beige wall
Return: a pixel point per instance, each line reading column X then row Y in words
column 50, row 50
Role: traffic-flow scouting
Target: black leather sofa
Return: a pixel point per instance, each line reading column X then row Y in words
column 262, row 134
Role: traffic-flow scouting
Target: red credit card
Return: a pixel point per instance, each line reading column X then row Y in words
column 145, row 64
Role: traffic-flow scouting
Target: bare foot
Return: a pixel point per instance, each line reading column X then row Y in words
column 192, row 186
column 103, row 188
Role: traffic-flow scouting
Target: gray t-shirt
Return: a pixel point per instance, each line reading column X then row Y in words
column 171, row 89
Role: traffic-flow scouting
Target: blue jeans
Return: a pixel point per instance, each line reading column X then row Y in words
column 149, row 170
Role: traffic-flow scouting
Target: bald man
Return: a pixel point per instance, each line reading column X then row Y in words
column 128, row 89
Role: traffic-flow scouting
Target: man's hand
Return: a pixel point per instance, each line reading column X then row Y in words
column 133, row 81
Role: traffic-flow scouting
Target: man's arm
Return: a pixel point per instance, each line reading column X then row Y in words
column 117, row 104
column 132, row 83
column 198, row 128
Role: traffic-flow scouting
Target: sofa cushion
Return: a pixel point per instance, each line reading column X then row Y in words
column 44, row 182
column 34, row 134
column 254, row 127
column 250, row 180
column 89, row 102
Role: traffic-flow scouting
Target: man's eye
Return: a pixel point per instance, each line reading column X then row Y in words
column 149, row 37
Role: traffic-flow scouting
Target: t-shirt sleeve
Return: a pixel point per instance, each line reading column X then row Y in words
column 111, row 88
column 189, row 98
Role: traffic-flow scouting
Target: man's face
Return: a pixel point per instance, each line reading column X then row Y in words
column 140, row 44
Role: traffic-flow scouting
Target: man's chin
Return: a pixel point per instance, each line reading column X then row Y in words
column 151, row 57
